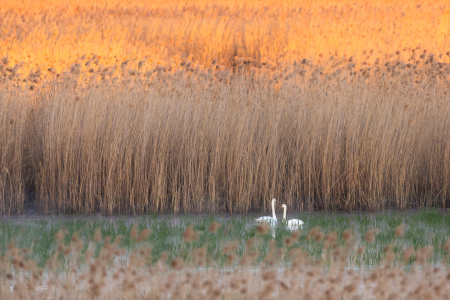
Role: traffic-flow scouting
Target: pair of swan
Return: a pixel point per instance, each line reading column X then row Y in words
column 293, row 224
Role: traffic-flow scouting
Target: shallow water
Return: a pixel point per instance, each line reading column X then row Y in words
column 176, row 219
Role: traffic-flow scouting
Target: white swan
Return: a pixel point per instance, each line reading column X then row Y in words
column 293, row 224
column 271, row 220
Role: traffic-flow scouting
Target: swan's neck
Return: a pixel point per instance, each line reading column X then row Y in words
column 284, row 213
column 273, row 210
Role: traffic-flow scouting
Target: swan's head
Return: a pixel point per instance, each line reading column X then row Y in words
column 283, row 206
column 274, row 200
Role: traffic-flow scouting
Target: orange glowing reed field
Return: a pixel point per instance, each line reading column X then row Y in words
column 218, row 106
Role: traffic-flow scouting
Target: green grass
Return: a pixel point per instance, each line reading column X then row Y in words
column 427, row 227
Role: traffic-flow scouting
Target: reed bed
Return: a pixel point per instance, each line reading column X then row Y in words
column 135, row 117
column 180, row 138
column 225, row 261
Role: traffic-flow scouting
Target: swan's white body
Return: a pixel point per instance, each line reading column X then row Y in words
column 271, row 220
column 293, row 224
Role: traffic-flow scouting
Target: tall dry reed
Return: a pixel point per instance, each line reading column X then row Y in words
column 197, row 107
column 179, row 138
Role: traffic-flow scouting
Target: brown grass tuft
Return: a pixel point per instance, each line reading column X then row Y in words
column 316, row 234
column 177, row 263
column 97, row 235
column 295, row 235
column 263, row 229
column 288, row 241
column 330, row 240
column 269, row 275
column 133, row 232
column 407, row 254
column 143, row 235
column 190, row 235
column 370, row 236
column 347, row 235
column 213, row 227
column 447, row 245
column 399, row 232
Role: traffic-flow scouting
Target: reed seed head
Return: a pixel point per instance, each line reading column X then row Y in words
column 143, row 235
column 97, row 235
column 177, row 263
column 370, row 236
column 190, row 235
column 447, row 245
column 288, row 241
column 347, row 235
column 263, row 229
column 213, row 227
column 399, row 232
column 269, row 275
column 133, row 232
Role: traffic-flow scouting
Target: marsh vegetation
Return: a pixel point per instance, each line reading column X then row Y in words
column 144, row 108
column 352, row 255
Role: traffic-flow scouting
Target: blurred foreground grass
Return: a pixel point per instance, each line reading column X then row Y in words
column 426, row 227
